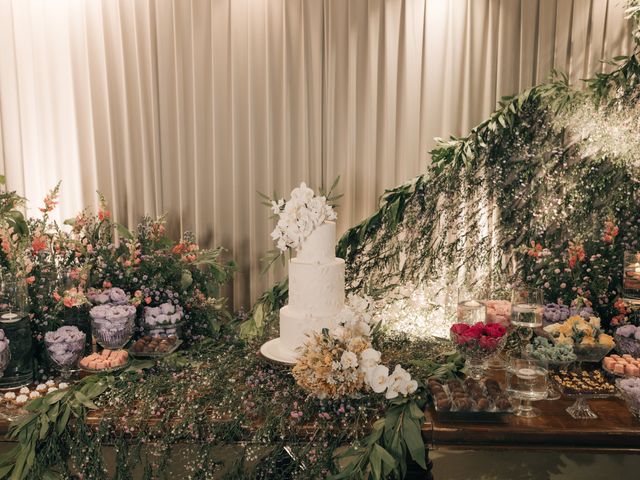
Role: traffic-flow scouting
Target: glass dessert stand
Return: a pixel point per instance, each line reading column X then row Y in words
column 580, row 409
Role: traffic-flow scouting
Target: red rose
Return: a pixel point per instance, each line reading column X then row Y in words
column 459, row 328
column 475, row 331
column 488, row 343
column 495, row 330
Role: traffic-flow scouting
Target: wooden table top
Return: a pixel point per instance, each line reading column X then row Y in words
column 615, row 430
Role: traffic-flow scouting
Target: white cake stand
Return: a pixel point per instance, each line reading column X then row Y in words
column 274, row 350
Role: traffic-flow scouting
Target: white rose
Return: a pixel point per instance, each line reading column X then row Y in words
column 349, row 360
column 378, row 378
column 369, row 358
column 362, row 329
column 595, row 321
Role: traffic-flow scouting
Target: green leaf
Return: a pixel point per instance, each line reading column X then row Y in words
column 55, row 397
column 413, row 440
column 63, row 420
column 44, row 427
column 82, row 398
column 375, row 461
column 123, row 231
column 4, row 470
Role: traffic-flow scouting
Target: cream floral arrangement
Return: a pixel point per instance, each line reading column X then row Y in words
column 581, row 333
column 299, row 216
column 340, row 361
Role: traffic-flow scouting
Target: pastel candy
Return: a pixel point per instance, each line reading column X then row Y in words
column 619, row 368
column 631, row 370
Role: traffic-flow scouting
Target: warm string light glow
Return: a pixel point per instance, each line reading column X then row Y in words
column 424, row 311
column 614, row 131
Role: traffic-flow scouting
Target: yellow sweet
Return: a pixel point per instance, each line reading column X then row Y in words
column 605, row 339
column 588, row 341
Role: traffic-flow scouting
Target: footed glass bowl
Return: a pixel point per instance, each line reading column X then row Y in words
column 65, row 355
column 593, row 353
column 476, row 352
column 113, row 334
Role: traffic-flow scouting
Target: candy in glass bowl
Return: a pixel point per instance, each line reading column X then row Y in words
column 477, row 343
column 113, row 325
column 164, row 320
column 64, row 347
column 589, row 343
column 629, row 389
column 627, row 338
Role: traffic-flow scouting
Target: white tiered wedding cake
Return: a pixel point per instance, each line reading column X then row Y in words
column 316, row 289
column 316, row 276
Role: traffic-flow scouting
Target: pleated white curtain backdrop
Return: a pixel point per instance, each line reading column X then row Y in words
column 189, row 107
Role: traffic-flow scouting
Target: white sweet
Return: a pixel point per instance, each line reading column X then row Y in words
column 34, row 394
column 63, row 386
column 52, row 389
column 24, row 391
column 22, row 399
column 50, row 383
column 10, row 396
column 41, row 388
column 316, row 289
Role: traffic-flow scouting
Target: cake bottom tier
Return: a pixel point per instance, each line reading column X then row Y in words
column 295, row 325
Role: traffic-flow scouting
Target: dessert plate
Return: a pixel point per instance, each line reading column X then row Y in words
column 273, row 351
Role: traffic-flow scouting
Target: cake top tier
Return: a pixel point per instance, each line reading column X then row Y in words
column 319, row 247
column 299, row 217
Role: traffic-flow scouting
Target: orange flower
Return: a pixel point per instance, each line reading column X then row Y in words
column 611, row 231
column 56, row 296
column 38, row 244
column 106, row 284
column 31, row 280
column 68, row 302
column 103, row 214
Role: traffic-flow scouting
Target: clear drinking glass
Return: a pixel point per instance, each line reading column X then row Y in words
column 526, row 312
column 470, row 311
column 527, row 381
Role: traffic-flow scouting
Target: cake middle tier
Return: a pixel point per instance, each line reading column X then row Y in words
column 316, row 288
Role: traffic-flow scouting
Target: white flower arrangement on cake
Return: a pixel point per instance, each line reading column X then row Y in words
column 340, row 361
column 299, row 216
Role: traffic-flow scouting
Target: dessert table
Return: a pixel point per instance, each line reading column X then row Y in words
column 615, row 431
